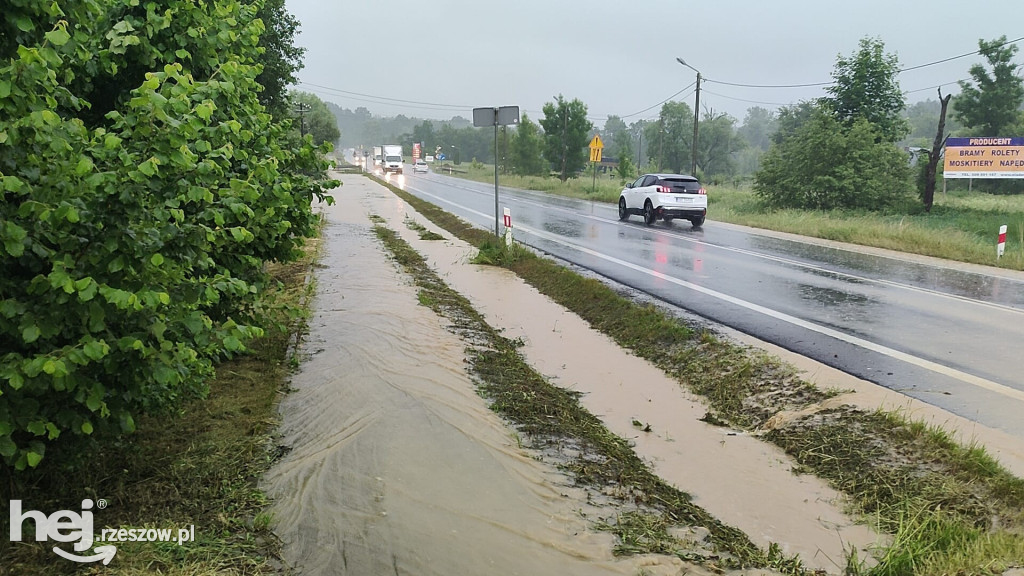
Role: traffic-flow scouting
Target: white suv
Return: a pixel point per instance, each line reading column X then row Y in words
column 665, row 197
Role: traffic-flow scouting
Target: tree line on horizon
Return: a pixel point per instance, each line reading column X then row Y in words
column 865, row 112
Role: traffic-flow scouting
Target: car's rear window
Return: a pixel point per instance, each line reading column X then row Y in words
column 681, row 184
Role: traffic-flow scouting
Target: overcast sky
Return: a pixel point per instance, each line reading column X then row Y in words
column 443, row 58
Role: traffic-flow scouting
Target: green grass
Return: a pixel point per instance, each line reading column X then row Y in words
column 962, row 225
column 951, row 509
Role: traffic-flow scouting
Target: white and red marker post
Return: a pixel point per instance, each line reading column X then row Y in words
column 1001, row 244
column 508, row 226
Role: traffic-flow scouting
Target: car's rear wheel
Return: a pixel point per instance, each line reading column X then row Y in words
column 698, row 221
column 623, row 213
column 649, row 216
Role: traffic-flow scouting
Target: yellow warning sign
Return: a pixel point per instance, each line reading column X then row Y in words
column 595, row 148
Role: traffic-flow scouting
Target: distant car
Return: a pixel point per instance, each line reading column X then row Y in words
column 420, row 166
column 664, row 197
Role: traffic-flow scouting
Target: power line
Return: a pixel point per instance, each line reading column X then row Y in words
column 811, row 85
column 748, row 101
column 398, row 100
column 978, row 51
column 374, row 99
column 934, row 87
column 660, row 103
column 900, row 71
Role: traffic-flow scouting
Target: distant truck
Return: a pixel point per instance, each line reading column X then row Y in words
column 377, row 156
column 393, row 159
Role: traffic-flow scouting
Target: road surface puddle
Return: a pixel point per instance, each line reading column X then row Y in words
column 396, row 466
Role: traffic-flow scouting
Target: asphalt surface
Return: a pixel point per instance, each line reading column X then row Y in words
column 941, row 332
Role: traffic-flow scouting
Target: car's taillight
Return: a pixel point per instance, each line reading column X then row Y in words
column 702, row 192
column 664, row 190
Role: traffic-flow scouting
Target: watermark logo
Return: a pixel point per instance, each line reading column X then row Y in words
column 62, row 526
column 69, row 526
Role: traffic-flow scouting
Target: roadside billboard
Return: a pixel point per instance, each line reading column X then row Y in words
column 984, row 158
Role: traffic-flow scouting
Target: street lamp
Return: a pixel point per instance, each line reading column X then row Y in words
column 696, row 108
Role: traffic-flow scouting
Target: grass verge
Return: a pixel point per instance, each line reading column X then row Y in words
column 198, row 467
column 949, row 509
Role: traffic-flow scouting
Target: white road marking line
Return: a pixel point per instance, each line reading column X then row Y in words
column 866, row 344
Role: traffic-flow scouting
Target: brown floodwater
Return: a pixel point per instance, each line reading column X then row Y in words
column 396, row 465
column 741, row 480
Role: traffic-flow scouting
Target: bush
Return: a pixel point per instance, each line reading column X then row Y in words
column 825, row 166
column 133, row 243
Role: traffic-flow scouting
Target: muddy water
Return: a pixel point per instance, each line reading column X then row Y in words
column 741, row 480
column 396, row 465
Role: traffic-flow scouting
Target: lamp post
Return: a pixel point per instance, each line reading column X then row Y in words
column 696, row 111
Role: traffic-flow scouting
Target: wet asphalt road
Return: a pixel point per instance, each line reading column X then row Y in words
column 941, row 334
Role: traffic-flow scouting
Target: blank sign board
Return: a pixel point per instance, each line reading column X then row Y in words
column 502, row 116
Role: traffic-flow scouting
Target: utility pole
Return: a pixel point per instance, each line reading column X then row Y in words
column 696, row 116
column 301, row 109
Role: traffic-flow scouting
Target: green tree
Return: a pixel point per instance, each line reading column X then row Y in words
column 566, row 135
column 923, row 116
column 866, row 87
column 316, row 119
column 718, row 144
column 281, row 58
column 792, row 118
column 424, row 133
column 526, row 149
column 504, row 149
column 826, row 165
column 133, row 243
column 643, row 145
column 670, row 137
column 613, row 128
column 758, row 127
column 624, row 147
column 992, row 103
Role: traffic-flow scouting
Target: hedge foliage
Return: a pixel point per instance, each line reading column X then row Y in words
column 143, row 189
column 826, row 165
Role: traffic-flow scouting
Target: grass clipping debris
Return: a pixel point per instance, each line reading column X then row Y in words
column 948, row 508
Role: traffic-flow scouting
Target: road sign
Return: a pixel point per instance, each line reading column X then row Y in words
column 502, row 116
column 595, row 148
column 441, row 156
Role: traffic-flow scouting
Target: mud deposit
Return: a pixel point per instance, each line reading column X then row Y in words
column 396, row 465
